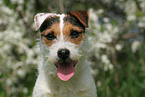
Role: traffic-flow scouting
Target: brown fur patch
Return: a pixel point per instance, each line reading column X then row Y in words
column 48, row 22
column 67, row 31
column 82, row 15
column 54, row 28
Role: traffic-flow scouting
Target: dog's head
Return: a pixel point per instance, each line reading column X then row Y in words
column 62, row 36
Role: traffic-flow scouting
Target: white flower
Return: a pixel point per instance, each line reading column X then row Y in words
column 94, row 71
column 99, row 83
column 111, row 66
column 108, row 67
column 93, row 15
column 142, row 4
column 118, row 47
column 21, row 72
column 100, row 45
column 25, row 90
column 135, row 45
column 6, row 10
column 142, row 22
column 9, row 82
column 131, row 17
column 116, row 29
column 100, row 11
column 106, row 19
column 105, row 59
column 109, row 27
column 105, row 68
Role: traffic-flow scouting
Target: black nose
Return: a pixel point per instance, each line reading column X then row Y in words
column 63, row 54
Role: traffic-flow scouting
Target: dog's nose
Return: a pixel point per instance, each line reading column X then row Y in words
column 63, row 53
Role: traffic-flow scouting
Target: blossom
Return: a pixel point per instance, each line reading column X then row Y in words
column 135, row 45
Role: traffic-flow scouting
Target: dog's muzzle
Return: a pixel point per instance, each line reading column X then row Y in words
column 63, row 54
column 65, row 65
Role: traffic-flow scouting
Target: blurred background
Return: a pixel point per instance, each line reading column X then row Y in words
column 117, row 44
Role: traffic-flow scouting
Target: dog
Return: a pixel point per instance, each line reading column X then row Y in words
column 64, row 70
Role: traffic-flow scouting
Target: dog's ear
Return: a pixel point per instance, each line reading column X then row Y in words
column 82, row 16
column 40, row 18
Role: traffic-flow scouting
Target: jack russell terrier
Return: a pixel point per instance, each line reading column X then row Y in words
column 65, row 70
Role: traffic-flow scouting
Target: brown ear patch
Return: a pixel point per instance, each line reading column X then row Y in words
column 82, row 16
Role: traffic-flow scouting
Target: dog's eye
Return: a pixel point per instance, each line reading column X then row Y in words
column 74, row 34
column 50, row 36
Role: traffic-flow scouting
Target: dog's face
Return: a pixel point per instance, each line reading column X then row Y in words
column 62, row 37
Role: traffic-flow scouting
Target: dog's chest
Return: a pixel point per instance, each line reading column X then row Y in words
column 64, row 89
column 66, row 93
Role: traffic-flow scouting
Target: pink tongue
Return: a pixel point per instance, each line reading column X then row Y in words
column 65, row 72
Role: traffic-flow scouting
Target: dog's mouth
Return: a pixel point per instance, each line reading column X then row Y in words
column 65, row 69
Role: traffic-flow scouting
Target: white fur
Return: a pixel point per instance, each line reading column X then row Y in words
column 40, row 17
column 61, row 25
column 49, row 85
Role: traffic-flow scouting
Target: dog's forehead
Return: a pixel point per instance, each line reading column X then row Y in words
column 45, row 20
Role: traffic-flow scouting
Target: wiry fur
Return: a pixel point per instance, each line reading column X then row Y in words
column 49, row 85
